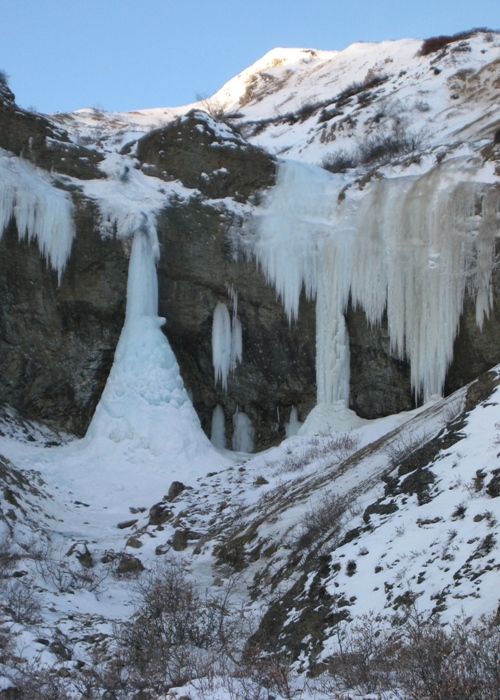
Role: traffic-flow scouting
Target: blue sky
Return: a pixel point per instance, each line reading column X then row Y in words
column 63, row 55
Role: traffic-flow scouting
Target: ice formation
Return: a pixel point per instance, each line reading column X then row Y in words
column 294, row 424
column 144, row 400
column 221, row 344
column 218, row 432
column 41, row 211
column 243, row 432
column 227, row 342
column 411, row 247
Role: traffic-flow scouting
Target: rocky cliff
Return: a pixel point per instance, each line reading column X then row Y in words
column 57, row 340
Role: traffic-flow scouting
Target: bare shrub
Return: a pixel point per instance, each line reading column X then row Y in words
column 342, row 445
column 377, row 148
column 437, row 43
column 363, row 662
column 340, row 161
column 434, row 44
column 451, row 411
column 21, row 602
column 58, row 570
column 212, row 106
column 261, row 676
column 383, row 146
column 176, row 634
column 421, row 106
column 35, row 683
column 4, row 79
column 6, row 642
column 417, row 658
column 325, row 519
column 357, row 87
column 335, row 449
column 306, row 110
column 461, row 663
column 404, row 446
column 8, row 556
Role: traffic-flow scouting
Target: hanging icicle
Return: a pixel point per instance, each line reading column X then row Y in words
column 409, row 246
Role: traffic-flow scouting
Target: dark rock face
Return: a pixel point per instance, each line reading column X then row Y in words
column 475, row 349
column 278, row 367
column 380, row 382
column 57, row 343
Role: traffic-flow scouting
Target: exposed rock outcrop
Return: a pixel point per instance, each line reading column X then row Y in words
column 35, row 138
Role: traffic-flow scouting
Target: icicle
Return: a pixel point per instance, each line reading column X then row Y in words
column 243, row 432
column 410, row 246
column 294, row 424
column 227, row 340
column 218, row 432
column 41, row 211
column 221, row 344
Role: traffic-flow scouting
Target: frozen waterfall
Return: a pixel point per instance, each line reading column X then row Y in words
column 144, row 400
column 407, row 246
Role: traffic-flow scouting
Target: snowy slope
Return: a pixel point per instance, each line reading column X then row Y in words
column 449, row 97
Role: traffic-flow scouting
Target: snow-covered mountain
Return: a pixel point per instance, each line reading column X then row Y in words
column 321, row 236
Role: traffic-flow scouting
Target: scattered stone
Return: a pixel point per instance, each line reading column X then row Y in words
column 260, row 481
column 379, row 509
column 41, row 640
column 493, row 488
column 134, row 542
column 162, row 549
column 61, row 651
column 159, row 514
column 126, row 523
column 129, row 564
column 176, row 488
column 180, row 540
column 200, row 544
